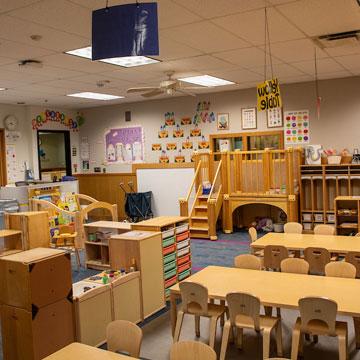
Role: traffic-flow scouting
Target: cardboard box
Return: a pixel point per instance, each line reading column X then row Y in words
column 35, row 278
column 33, row 335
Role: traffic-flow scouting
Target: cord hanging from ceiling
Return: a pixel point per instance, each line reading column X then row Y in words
column 267, row 45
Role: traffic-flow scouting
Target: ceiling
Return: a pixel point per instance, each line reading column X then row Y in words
column 223, row 38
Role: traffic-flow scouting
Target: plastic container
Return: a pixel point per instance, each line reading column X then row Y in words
column 167, row 233
column 182, row 228
column 184, row 251
column 184, row 274
column 183, row 244
column 170, row 266
column 184, row 267
column 168, row 250
column 278, row 227
column 170, row 273
column 169, row 258
column 183, row 259
column 334, row 159
column 168, row 241
column 171, row 282
column 182, row 236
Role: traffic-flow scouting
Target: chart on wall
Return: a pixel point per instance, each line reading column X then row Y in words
column 297, row 127
column 124, row 145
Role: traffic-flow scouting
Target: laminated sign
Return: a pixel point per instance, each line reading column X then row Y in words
column 268, row 95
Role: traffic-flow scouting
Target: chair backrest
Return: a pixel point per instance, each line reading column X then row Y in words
column 253, row 234
column 353, row 257
column 247, row 261
column 324, row 229
column 317, row 259
column 340, row 269
column 274, row 255
column 191, row 350
column 315, row 309
column 194, row 294
column 295, row 266
column 244, row 305
column 293, row 228
column 124, row 336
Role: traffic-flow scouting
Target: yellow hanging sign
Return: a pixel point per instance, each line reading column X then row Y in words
column 268, row 95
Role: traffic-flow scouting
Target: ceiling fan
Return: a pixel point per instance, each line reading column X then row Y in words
column 169, row 87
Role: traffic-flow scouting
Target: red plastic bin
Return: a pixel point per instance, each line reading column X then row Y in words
column 182, row 236
column 170, row 282
column 184, row 267
column 168, row 250
column 183, row 260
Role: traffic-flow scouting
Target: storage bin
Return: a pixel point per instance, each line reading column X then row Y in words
column 278, row 227
column 331, row 218
column 184, row 251
column 170, row 274
column 307, row 226
column 167, row 233
column 170, row 282
column 182, row 236
column 184, row 267
column 184, row 274
column 306, row 217
column 183, row 244
column 182, row 228
column 168, row 241
column 183, row 259
column 170, row 266
column 167, row 292
column 168, row 250
column 318, row 217
column 169, row 258
column 334, row 159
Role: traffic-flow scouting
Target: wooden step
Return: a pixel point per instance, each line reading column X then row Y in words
column 201, row 207
column 200, row 229
column 201, row 218
column 201, row 233
column 203, row 197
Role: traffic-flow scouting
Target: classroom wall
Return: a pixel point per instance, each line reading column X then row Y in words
column 338, row 126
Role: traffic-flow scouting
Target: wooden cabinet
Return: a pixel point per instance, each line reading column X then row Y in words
column 145, row 249
column 176, row 250
column 97, row 236
column 320, row 185
column 347, row 215
column 34, row 226
column 37, row 311
column 10, row 242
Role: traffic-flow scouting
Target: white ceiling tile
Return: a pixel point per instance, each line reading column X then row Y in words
column 335, row 75
column 279, row 2
column 350, row 62
column 205, row 36
column 17, row 51
column 279, row 70
column 131, row 75
column 20, row 30
column 343, row 50
column 9, row 5
column 295, row 79
column 323, row 66
column 249, row 57
column 297, row 50
column 320, row 17
column 215, row 8
column 62, row 15
column 251, row 26
column 238, row 75
column 23, row 78
column 70, row 85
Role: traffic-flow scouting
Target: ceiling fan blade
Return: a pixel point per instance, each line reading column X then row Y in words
column 185, row 92
column 141, row 89
column 155, row 92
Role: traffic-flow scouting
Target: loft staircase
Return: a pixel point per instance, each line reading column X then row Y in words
column 205, row 209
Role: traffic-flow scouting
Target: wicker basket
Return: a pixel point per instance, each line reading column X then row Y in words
column 334, row 159
column 346, row 159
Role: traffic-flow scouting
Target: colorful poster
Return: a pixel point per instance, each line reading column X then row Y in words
column 124, row 145
column 268, row 95
column 297, row 127
column 164, row 158
column 195, row 132
column 178, row 132
column 186, row 145
column 163, row 133
column 274, row 118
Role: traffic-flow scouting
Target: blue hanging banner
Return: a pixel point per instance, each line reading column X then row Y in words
column 125, row 30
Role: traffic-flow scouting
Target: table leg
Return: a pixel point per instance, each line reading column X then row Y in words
column 173, row 312
column 357, row 331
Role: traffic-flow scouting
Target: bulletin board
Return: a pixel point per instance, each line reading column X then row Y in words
column 297, row 127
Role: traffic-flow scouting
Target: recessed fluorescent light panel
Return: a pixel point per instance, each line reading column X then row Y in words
column 95, row 96
column 206, row 80
column 2, row 89
column 128, row 61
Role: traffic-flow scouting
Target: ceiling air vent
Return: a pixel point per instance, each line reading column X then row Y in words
column 348, row 38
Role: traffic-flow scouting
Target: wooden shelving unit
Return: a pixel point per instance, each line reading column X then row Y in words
column 347, row 215
column 175, row 246
column 96, row 249
column 11, row 242
column 319, row 186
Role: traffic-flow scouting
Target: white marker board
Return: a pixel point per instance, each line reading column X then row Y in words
column 167, row 186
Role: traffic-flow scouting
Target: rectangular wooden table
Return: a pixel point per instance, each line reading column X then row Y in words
column 275, row 289
column 77, row 351
column 333, row 243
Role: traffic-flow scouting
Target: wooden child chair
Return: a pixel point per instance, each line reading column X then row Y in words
column 353, row 257
column 293, row 228
column 274, row 255
column 317, row 259
column 324, row 229
column 318, row 317
column 247, row 261
column 195, row 301
column 124, row 336
column 253, row 237
column 244, row 313
column 340, row 269
column 66, row 239
column 191, row 350
column 295, row 266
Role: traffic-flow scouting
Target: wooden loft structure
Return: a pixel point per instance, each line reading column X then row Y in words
column 240, row 178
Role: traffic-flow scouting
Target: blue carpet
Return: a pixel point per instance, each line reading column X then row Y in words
column 204, row 253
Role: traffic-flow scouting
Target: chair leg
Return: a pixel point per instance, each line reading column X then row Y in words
column 222, row 318
column 279, row 345
column 278, row 312
column 342, row 347
column 77, row 258
column 268, row 310
column 266, row 343
column 295, row 344
column 212, row 332
column 357, row 331
column 179, row 322
column 239, row 338
column 197, row 326
column 225, row 339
